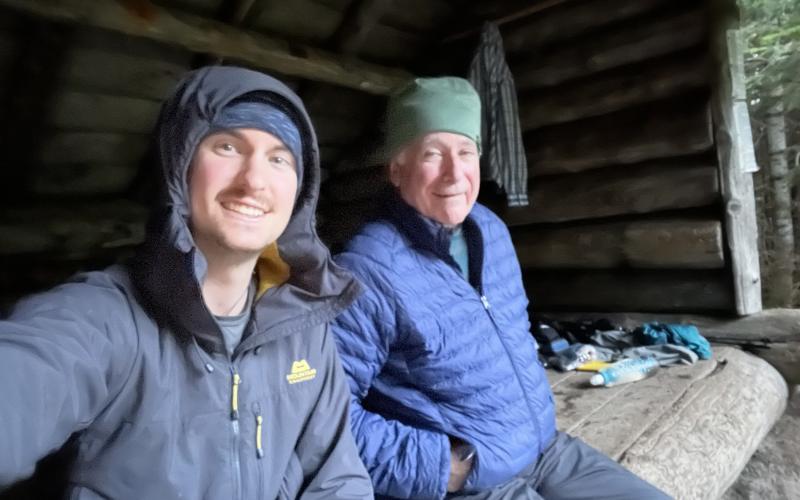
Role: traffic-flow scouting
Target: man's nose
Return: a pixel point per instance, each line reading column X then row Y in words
column 254, row 171
column 451, row 167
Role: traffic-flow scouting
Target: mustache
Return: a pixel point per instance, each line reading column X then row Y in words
column 246, row 196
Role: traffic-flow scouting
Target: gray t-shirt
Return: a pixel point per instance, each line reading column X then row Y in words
column 233, row 326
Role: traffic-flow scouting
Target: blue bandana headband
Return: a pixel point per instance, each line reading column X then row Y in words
column 263, row 116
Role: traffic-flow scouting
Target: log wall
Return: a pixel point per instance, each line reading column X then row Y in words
column 626, row 209
column 614, row 100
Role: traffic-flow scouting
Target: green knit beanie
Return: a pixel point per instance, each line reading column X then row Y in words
column 446, row 104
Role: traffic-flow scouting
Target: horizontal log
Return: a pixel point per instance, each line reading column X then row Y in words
column 299, row 20
column 640, row 291
column 93, row 147
column 76, row 179
column 360, row 185
column 320, row 98
column 571, row 20
column 643, row 244
column 390, row 45
column 202, row 35
column 336, row 130
column 338, row 223
column 674, row 128
column 71, row 231
column 638, row 42
column 422, row 16
column 121, row 73
column 619, row 89
column 91, row 112
column 639, row 189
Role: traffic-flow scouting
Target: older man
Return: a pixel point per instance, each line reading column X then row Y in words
column 448, row 394
column 205, row 369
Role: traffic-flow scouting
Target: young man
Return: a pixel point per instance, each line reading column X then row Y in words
column 448, row 393
column 205, row 369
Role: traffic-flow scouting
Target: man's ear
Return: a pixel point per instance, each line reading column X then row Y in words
column 394, row 168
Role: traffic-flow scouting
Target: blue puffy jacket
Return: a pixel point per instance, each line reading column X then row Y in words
column 430, row 355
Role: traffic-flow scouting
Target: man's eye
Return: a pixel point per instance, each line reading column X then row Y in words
column 226, row 147
column 467, row 152
column 432, row 154
column 282, row 161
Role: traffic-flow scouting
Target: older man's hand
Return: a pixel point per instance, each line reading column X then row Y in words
column 461, row 457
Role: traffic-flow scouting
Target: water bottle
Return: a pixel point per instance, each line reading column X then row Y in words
column 626, row 370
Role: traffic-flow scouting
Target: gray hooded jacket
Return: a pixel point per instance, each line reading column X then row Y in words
column 131, row 362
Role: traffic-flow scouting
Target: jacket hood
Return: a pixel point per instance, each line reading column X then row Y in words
column 303, row 286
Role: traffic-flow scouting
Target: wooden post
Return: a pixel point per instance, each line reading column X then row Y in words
column 202, row 35
column 736, row 159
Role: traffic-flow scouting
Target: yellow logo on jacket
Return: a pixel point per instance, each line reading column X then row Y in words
column 301, row 372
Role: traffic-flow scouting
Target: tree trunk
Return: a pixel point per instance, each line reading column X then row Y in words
column 782, row 285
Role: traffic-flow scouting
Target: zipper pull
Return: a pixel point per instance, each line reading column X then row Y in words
column 485, row 302
column 235, row 396
column 259, row 422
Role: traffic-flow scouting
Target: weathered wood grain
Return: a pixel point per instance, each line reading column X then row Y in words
column 628, row 136
column 82, row 111
column 93, row 147
column 616, row 90
column 639, row 189
column 645, row 244
column 737, row 162
column 571, row 20
column 202, row 35
column 636, row 43
column 644, row 291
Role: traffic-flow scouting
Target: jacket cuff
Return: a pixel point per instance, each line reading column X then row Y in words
column 444, row 470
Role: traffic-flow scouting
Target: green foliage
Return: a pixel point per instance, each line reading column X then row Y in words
column 772, row 61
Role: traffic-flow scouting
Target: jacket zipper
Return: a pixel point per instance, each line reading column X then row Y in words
column 487, row 306
column 237, row 469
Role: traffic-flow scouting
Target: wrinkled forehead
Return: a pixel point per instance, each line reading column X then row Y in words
column 434, row 140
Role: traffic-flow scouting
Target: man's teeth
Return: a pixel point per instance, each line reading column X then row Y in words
column 244, row 209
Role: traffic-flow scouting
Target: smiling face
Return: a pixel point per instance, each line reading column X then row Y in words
column 439, row 175
column 242, row 186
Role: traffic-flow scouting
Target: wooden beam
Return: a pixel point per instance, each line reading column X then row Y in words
column 500, row 20
column 639, row 42
column 572, row 20
column 201, row 35
column 360, row 185
column 122, row 73
column 90, row 112
column 71, row 230
column 638, row 189
column 735, row 152
column 92, row 147
column 632, row 85
column 642, row 244
column 29, row 90
column 674, row 128
column 85, row 179
column 359, row 19
column 640, row 291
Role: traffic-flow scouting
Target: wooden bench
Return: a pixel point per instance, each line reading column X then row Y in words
column 689, row 430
